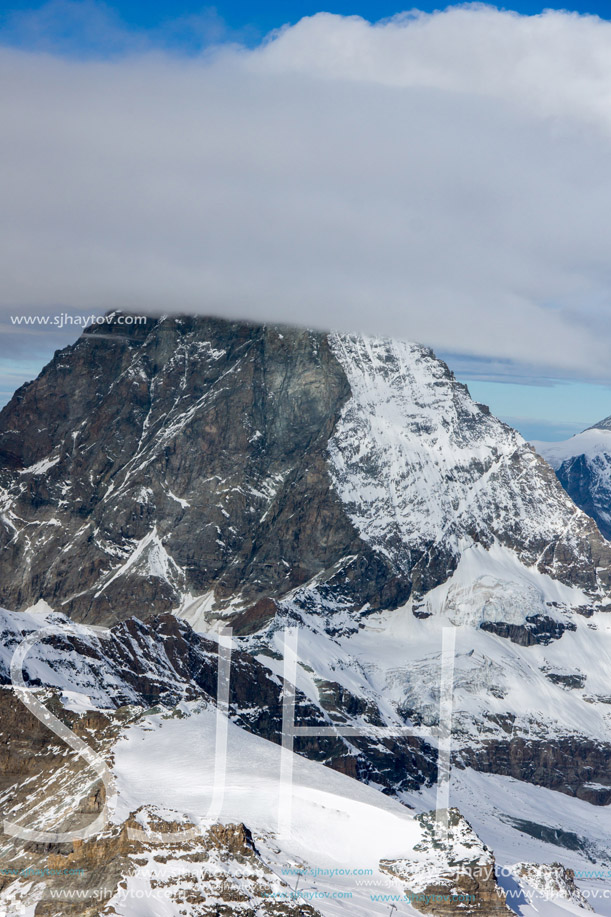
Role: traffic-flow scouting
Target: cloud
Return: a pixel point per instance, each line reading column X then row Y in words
column 443, row 178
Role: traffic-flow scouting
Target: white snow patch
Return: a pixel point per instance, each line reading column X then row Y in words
column 149, row 557
column 494, row 585
column 41, row 467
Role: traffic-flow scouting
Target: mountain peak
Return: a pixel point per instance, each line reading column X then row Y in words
column 228, row 463
column 601, row 425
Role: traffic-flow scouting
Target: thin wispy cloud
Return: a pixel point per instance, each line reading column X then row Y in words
column 443, row 178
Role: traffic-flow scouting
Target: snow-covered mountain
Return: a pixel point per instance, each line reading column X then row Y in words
column 207, row 458
column 160, row 483
column 583, row 466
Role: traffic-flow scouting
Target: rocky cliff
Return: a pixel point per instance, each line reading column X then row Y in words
column 198, row 457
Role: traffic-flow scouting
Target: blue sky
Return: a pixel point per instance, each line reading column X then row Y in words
column 251, row 21
column 438, row 178
column 540, row 407
column 546, row 412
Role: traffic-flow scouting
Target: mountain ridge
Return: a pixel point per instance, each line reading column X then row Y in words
column 201, row 457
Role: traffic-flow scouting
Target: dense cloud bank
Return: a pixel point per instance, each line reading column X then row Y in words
column 441, row 177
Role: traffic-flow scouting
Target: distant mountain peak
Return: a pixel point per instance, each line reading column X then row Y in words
column 601, row 425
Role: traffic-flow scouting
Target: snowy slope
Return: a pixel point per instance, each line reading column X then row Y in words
column 82, row 663
column 394, row 657
column 424, row 471
column 339, row 828
column 525, row 823
column 393, row 660
column 337, row 823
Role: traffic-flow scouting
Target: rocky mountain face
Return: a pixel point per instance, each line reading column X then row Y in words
column 200, row 457
column 583, row 466
column 188, row 459
column 160, row 482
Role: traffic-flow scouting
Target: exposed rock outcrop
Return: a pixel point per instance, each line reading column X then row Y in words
column 458, row 876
